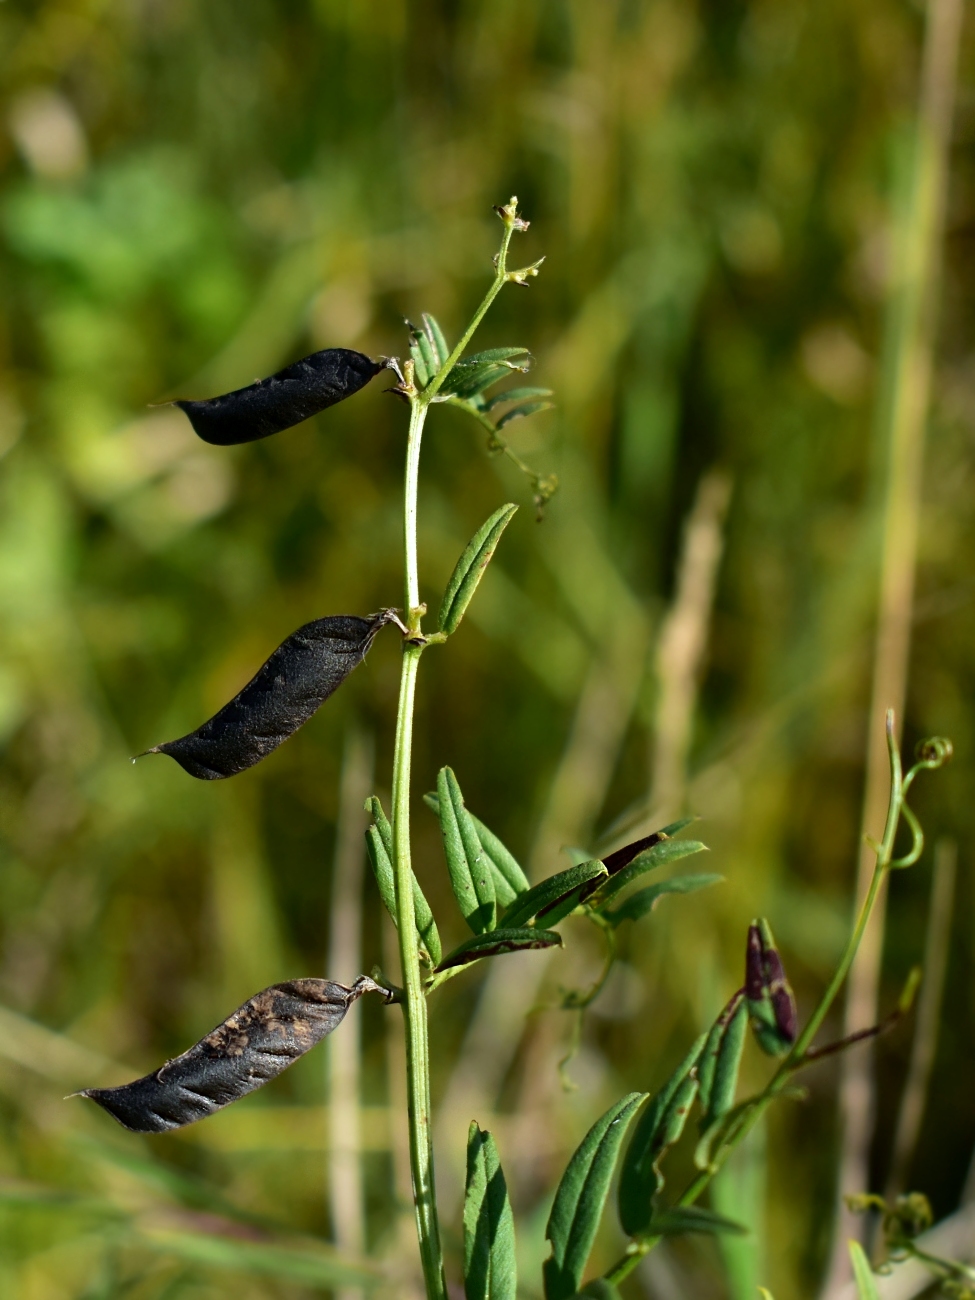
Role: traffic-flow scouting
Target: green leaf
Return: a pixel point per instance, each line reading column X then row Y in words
column 664, row 851
column 549, row 892
column 497, row 942
column 581, row 1196
column 470, row 871
column 482, row 369
column 437, row 341
column 515, row 395
column 862, row 1273
column 661, row 1124
column 379, row 845
column 717, row 1070
column 426, row 363
column 469, row 569
column 509, row 879
column 691, row 1218
column 645, row 900
column 519, row 412
column 490, row 1272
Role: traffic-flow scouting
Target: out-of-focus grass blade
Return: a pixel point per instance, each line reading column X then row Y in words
column 551, row 890
column 470, row 872
column 469, row 569
column 661, row 1124
column 490, row 1272
column 294, row 1263
column 510, row 880
column 665, row 851
column 866, row 1283
column 645, row 900
column 581, row 1196
column 497, row 942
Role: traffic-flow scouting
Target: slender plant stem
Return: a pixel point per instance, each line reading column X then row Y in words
column 414, row 995
column 414, row 1002
column 752, row 1112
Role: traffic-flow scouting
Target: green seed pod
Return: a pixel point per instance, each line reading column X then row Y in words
column 771, row 1003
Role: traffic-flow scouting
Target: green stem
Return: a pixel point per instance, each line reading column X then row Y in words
column 414, row 1003
column 500, row 276
column 749, row 1117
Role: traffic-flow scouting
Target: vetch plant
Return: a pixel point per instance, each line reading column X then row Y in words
column 502, row 909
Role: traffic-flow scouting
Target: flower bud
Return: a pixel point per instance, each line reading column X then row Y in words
column 771, row 1004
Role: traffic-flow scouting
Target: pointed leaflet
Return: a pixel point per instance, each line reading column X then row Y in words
column 581, row 1196
column 437, row 341
column 482, row 369
column 262, row 1038
column 496, row 942
column 471, row 876
column 519, row 412
column 379, row 844
column 656, row 856
column 469, row 569
column 717, row 1073
column 509, row 879
column 547, row 893
column 282, row 695
column 717, row 1069
column 645, row 900
column 515, row 395
column 866, row 1283
column 286, row 398
column 661, row 1124
column 489, row 1228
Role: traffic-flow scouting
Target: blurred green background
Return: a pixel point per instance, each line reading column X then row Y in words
column 195, row 194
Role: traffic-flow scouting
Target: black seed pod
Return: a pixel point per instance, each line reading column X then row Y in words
column 262, row 1038
column 284, row 693
column 286, row 398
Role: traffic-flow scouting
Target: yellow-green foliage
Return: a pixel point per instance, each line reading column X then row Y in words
column 195, row 194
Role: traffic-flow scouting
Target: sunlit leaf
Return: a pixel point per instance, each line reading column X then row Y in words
column 490, row 1272
column 581, row 1196
column 645, row 900
column 661, row 853
column 659, row 1127
column 471, row 876
column 547, row 893
column 509, row 879
column 470, row 568
column 379, row 845
column 497, row 942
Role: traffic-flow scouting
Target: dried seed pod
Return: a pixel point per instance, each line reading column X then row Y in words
column 771, row 1003
column 285, row 398
column 284, row 693
column 260, row 1039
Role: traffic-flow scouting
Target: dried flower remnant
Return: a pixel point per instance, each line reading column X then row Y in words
column 771, row 1004
column 284, row 693
column 283, row 399
column 255, row 1044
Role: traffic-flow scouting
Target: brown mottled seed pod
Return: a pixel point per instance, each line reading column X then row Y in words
column 283, row 694
column 260, row 1040
column 282, row 400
